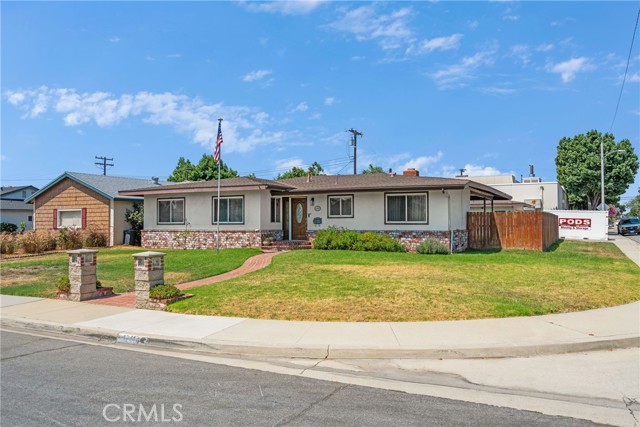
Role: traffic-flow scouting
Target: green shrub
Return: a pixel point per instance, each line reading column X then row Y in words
column 37, row 241
column 339, row 239
column 63, row 284
column 430, row 246
column 164, row 292
column 7, row 227
column 95, row 239
column 374, row 242
column 98, row 284
column 8, row 243
column 70, row 238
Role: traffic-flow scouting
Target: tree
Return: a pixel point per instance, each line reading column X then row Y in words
column 135, row 216
column 373, row 169
column 578, row 168
column 634, row 206
column 205, row 170
column 296, row 172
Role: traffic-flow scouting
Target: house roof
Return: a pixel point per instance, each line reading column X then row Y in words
column 107, row 186
column 15, row 205
column 328, row 183
column 227, row 184
column 386, row 182
column 5, row 191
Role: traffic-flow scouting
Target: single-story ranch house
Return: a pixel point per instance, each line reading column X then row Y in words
column 86, row 201
column 407, row 207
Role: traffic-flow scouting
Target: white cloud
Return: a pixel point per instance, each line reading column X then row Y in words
column 174, row 56
column 115, row 39
column 473, row 25
column 545, row 47
column 522, row 52
column 256, row 75
column 358, row 58
column 242, row 127
column 288, row 164
column 300, row 108
column 284, row 7
column 391, row 31
column 568, row 69
column 633, row 78
column 420, row 163
column 315, row 116
column 510, row 17
column 438, row 43
column 329, row 101
column 471, row 170
column 496, row 90
column 3, row 157
column 456, row 75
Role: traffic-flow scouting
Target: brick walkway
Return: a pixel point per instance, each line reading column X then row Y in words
column 254, row 263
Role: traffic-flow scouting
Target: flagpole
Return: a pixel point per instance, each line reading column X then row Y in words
column 218, row 207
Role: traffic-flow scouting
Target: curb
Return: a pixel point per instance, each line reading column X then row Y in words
column 320, row 352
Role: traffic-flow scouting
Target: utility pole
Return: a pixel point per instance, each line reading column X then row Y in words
column 103, row 164
column 354, row 142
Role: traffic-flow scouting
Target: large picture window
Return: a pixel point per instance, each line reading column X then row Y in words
column 170, row 211
column 340, row 206
column 231, row 210
column 275, row 209
column 406, row 208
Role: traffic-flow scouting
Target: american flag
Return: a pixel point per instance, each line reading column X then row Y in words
column 216, row 153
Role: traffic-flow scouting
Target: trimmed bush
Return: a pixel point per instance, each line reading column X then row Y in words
column 339, row 239
column 37, row 241
column 7, row 227
column 8, row 243
column 430, row 246
column 63, row 284
column 164, row 292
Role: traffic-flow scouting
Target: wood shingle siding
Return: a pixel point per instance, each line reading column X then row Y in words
column 68, row 194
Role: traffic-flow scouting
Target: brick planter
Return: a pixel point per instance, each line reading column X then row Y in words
column 161, row 304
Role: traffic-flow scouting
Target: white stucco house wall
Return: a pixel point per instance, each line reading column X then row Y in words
column 407, row 207
column 532, row 193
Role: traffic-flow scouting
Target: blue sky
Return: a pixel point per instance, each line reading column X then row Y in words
column 488, row 86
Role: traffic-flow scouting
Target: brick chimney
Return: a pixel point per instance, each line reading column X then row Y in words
column 411, row 172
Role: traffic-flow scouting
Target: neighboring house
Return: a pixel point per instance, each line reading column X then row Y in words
column 408, row 207
column 530, row 194
column 87, row 201
column 13, row 208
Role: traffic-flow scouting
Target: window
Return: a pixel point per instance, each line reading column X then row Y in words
column 30, row 218
column 406, row 208
column 231, row 210
column 340, row 206
column 275, row 209
column 170, row 211
column 69, row 218
column 24, row 194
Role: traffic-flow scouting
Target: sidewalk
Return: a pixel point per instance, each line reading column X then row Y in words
column 629, row 247
column 614, row 327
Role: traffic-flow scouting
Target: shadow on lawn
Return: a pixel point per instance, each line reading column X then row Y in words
column 554, row 247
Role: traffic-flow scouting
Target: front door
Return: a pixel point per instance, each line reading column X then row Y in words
column 299, row 219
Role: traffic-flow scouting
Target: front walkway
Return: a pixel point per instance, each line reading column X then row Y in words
column 258, row 262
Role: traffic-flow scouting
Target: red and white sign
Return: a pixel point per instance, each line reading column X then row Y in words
column 575, row 223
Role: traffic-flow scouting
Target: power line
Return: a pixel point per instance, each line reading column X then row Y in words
column 625, row 72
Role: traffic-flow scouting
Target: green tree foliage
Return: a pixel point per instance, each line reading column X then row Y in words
column 634, row 206
column 296, row 172
column 135, row 216
column 373, row 169
column 205, row 170
column 578, row 168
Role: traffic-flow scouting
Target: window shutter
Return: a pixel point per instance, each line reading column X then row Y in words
column 55, row 219
column 84, row 217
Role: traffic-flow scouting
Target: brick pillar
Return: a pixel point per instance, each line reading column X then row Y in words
column 82, row 274
column 149, row 272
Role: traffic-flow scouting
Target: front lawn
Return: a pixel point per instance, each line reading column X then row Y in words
column 374, row 286
column 37, row 276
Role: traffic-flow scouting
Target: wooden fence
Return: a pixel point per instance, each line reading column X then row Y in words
column 512, row 230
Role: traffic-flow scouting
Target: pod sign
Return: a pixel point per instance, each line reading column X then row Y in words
column 575, row 223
